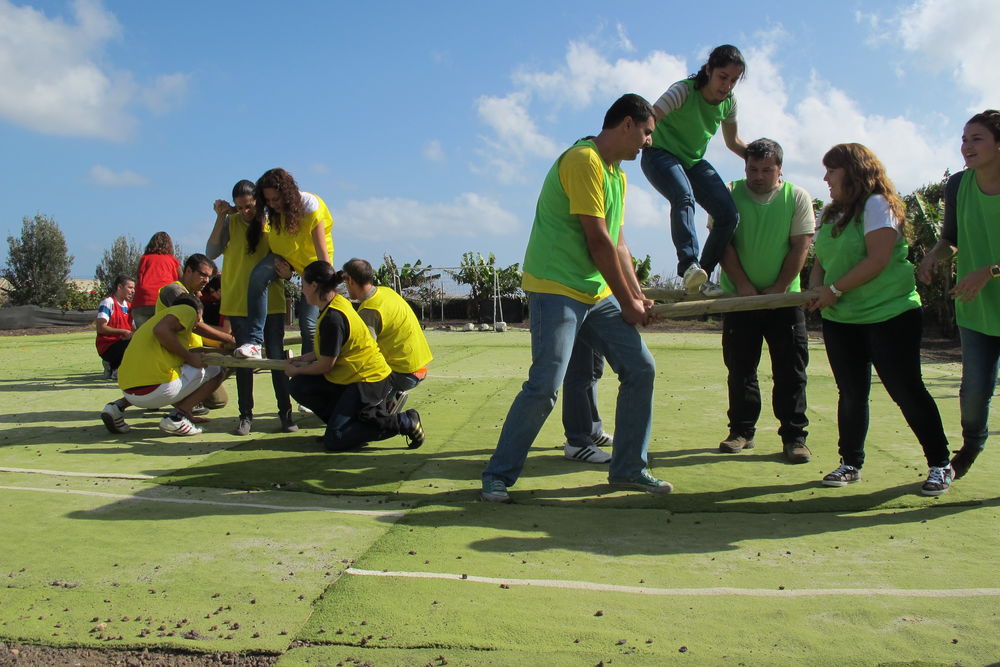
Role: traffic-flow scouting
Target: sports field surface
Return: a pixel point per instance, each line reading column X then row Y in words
column 386, row 556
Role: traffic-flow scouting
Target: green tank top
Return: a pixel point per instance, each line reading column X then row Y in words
column 686, row 132
column 978, row 246
column 557, row 248
column 762, row 238
column 890, row 293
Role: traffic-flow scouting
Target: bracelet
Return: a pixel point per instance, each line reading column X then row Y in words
column 995, row 271
column 836, row 292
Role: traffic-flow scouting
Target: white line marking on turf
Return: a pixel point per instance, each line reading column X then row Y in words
column 645, row 590
column 194, row 501
column 61, row 473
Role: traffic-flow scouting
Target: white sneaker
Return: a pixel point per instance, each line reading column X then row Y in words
column 603, row 440
column 247, row 351
column 182, row 426
column 304, row 410
column 711, row 290
column 114, row 418
column 694, row 277
column 588, row 454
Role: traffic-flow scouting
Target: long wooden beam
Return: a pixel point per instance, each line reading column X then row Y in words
column 229, row 361
column 731, row 304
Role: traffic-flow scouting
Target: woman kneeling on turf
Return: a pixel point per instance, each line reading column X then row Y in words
column 159, row 369
column 345, row 379
column 866, row 294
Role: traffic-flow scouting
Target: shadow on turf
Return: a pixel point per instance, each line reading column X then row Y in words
column 73, row 381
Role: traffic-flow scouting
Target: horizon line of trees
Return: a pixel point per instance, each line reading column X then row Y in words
column 38, row 266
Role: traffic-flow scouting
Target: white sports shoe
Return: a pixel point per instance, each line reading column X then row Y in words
column 588, row 454
column 183, row 426
column 694, row 277
column 114, row 418
column 605, row 439
column 247, row 351
column 711, row 290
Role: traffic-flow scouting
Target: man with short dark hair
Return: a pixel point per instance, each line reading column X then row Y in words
column 580, row 282
column 766, row 256
column 395, row 328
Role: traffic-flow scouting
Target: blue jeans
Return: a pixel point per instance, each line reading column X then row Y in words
column 403, row 381
column 274, row 333
column 556, row 322
column 351, row 411
column 980, row 357
column 682, row 188
column 580, row 417
column 261, row 277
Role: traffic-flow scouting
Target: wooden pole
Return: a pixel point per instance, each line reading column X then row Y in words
column 670, row 295
column 731, row 304
column 228, row 361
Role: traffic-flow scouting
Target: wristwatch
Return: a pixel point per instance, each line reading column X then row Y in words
column 836, row 292
column 995, row 271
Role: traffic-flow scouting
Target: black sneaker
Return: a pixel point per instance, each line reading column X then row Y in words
column 938, row 481
column 416, row 430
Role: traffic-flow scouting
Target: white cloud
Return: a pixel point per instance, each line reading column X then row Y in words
column 624, row 43
column 54, row 81
column 469, row 214
column 107, row 178
column 516, row 137
column 433, row 151
column 960, row 37
column 166, row 93
column 644, row 207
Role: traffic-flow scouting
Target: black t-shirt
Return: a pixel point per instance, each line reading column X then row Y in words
column 333, row 333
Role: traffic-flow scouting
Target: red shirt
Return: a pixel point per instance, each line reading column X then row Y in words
column 155, row 271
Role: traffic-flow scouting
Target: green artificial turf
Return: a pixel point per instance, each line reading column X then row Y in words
column 747, row 521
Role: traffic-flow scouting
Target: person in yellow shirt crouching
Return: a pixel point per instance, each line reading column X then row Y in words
column 345, row 379
column 395, row 328
column 160, row 369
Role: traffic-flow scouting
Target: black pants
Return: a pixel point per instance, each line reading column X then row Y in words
column 743, row 334
column 893, row 347
column 113, row 355
column 354, row 413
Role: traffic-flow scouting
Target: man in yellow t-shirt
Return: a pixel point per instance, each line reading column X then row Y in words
column 395, row 328
column 159, row 369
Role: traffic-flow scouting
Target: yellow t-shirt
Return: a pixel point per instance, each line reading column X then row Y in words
column 298, row 249
column 194, row 340
column 237, row 267
column 146, row 361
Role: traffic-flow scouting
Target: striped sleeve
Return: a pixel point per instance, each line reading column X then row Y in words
column 674, row 98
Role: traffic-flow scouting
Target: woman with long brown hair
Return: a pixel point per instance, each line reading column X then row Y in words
column 298, row 226
column 865, row 292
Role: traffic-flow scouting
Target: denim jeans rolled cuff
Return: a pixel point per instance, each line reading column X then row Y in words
column 403, row 381
column 980, row 364
column 682, row 188
column 308, row 314
column 556, row 322
column 580, row 416
column 261, row 276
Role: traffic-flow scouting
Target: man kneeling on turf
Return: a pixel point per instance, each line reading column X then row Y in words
column 160, row 369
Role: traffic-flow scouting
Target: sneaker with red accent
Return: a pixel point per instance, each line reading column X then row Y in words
column 247, row 351
column 178, row 425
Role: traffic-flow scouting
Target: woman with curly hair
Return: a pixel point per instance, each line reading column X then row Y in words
column 972, row 226
column 157, row 267
column 688, row 115
column 864, row 289
column 298, row 227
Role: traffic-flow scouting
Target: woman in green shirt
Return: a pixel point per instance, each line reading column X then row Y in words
column 972, row 229
column 864, row 289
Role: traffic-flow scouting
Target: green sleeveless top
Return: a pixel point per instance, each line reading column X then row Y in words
column 890, row 293
column 978, row 246
column 557, row 248
column 685, row 132
column 761, row 239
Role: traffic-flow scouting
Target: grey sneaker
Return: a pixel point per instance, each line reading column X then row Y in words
column 643, row 482
column 287, row 425
column 735, row 443
column 694, row 278
column 114, row 419
column 495, row 491
column 243, row 428
column 938, row 481
column 710, row 290
column 842, row 476
column 107, row 369
column 586, row 454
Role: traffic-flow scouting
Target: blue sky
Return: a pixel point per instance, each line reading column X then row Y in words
column 428, row 127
